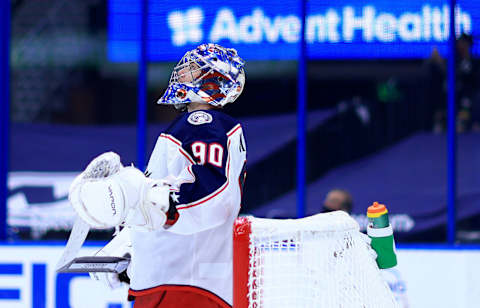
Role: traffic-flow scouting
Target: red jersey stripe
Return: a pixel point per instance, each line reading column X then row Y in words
column 233, row 130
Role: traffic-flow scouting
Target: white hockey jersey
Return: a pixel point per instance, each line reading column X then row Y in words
column 203, row 154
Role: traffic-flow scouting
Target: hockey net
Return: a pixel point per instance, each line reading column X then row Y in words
column 318, row 261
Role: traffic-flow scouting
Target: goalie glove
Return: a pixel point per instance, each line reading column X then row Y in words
column 103, row 166
column 151, row 213
column 119, row 246
column 107, row 194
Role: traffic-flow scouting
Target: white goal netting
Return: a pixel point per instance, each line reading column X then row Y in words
column 319, row 261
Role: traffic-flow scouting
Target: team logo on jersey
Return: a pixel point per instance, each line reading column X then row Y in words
column 199, row 117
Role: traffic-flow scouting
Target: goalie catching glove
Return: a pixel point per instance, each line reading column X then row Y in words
column 107, row 194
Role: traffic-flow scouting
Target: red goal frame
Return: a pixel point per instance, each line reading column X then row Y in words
column 241, row 262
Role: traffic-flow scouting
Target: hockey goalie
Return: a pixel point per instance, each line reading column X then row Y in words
column 177, row 217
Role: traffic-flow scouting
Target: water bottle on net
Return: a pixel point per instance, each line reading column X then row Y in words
column 381, row 233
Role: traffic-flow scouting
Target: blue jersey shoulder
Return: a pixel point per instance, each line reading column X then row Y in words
column 202, row 125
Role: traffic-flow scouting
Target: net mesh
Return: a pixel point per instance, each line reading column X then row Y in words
column 319, row 261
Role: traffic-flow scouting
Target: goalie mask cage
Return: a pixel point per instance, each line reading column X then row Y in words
column 318, row 261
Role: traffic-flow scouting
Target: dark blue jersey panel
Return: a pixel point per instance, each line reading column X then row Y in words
column 212, row 137
column 185, row 131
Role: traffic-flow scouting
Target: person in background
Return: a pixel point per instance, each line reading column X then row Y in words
column 337, row 200
column 466, row 89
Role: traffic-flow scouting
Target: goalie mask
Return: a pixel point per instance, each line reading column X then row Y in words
column 208, row 74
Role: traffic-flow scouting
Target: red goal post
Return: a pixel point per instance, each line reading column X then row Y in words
column 317, row 261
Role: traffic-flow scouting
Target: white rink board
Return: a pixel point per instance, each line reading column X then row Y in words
column 433, row 278
column 441, row 278
column 28, row 278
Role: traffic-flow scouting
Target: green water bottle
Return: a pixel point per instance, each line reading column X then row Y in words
column 381, row 233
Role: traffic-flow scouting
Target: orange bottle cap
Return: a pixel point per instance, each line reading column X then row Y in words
column 376, row 208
